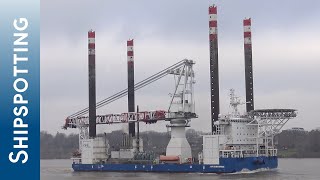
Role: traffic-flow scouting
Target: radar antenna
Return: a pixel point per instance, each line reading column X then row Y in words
column 234, row 103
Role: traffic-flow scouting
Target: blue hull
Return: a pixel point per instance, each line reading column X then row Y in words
column 227, row 165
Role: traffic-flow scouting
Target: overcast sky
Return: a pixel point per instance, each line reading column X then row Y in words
column 286, row 55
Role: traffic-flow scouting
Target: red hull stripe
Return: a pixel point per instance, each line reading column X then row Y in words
column 247, row 34
column 213, row 10
column 247, row 46
column 213, row 37
column 213, row 24
column 247, row 22
column 130, row 42
column 91, row 34
column 130, row 53
column 92, row 46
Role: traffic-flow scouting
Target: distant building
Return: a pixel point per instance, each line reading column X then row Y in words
column 317, row 129
column 296, row 129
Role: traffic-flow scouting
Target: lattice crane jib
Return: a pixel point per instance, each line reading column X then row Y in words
column 185, row 87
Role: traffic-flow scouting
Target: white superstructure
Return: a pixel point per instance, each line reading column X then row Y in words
column 94, row 150
column 246, row 135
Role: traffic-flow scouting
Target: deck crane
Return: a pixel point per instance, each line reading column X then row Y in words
column 184, row 80
column 137, row 86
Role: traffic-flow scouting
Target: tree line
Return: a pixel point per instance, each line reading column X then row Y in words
column 299, row 144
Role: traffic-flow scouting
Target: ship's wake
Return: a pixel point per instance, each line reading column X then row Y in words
column 247, row 171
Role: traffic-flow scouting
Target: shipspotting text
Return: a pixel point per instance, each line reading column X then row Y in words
column 20, row 85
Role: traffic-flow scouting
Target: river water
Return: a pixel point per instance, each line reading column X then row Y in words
column 289, row 169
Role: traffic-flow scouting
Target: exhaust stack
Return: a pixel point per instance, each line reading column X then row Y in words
column 248, row 64
column 214, row 68
column 131, row 104
column 92, row 84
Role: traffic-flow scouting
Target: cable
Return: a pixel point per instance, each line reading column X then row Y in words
column 137, row 86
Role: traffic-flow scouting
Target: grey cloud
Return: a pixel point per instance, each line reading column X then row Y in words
column 285, row 37
column 184, row 19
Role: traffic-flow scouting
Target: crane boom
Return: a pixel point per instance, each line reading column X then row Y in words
column 137, row 86
column 148, row 117
column 180, row 69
